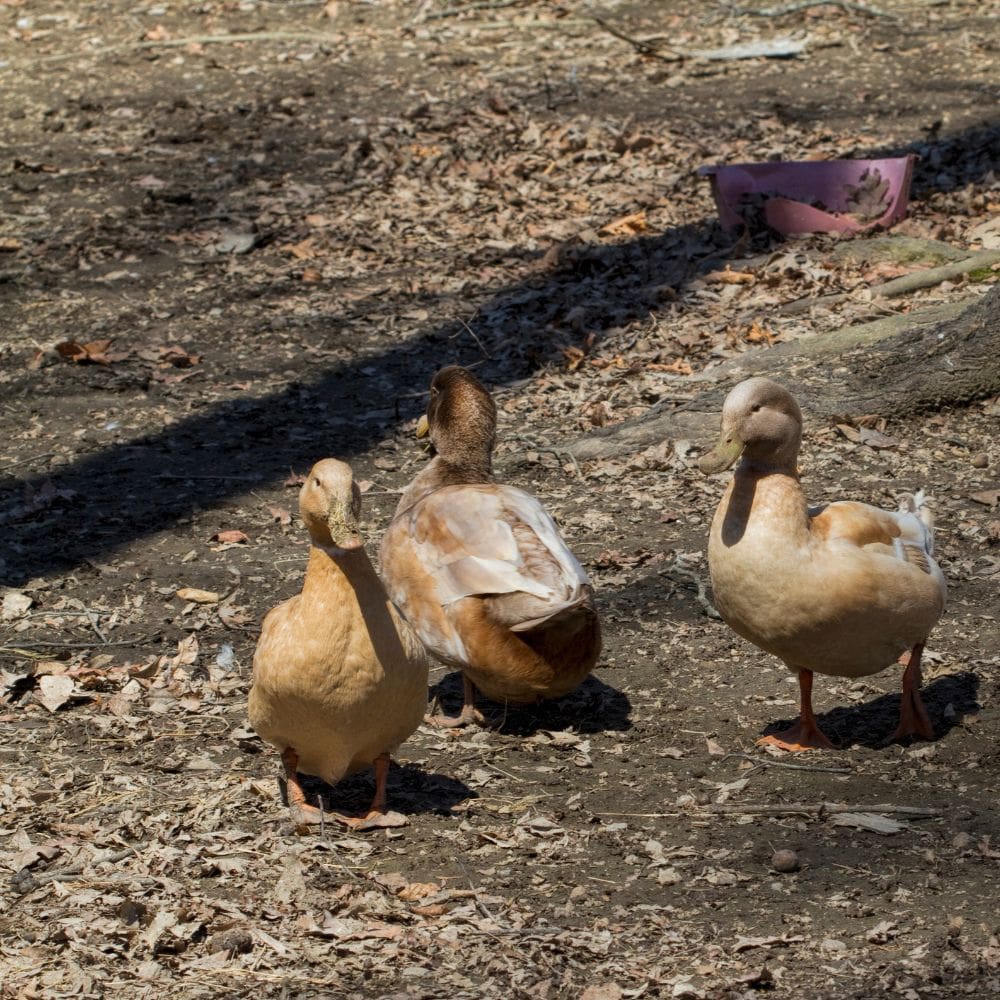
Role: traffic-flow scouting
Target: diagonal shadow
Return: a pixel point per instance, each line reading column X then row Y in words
column 127, row 491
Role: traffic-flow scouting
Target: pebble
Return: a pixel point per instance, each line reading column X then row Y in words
column 785, row 861
column 980, row 461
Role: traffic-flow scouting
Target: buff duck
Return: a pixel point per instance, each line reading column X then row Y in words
column 479, row 568
column 843, row 589
column 339, row 678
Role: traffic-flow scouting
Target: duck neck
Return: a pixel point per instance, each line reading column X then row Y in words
column 464, row 470
column 763, row 500
column 334, row 569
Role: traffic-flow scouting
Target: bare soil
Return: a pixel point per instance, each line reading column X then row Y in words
column 281, row 238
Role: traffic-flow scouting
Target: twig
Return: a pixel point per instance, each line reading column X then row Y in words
column 27, row 461
column 819, row 809
column 794, row 8
column 701, row 595
column 64, row 873
column 455, row 11
column 765, row 762
column 926, row 278
column 935, row 275
column 22, row 651
column 472, row 334
column 180, row 475
column 251, row 36
column 645, row 47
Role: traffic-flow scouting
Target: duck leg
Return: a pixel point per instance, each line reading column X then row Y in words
column 301, row 812
column 469, row 714
column 805, row 734
column 913, row 717
column 304, row 815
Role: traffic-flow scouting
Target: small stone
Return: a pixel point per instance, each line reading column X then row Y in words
column 785, row 861
column 235, row 941
column 961, row 841
column 980, row 461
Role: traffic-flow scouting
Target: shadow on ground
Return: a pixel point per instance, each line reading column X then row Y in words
column 594, row 707
column 948, row 699
column 131, row 490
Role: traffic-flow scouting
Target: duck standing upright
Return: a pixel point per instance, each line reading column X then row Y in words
column 479, row 568
column 339, row 678
column 842, row 589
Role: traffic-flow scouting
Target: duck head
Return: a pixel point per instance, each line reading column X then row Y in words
column 461, row 419
column 330, row 503
column 762, row 423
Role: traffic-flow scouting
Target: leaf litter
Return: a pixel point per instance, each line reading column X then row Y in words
column 526, row 203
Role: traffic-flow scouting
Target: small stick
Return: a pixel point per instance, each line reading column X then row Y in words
column 472, row 333
column 21, row 651
column 817, row 808
column 644, row 48
column 764, row 762
column 793, row 8
column 487, row 5
column 28, row 461
column 926, row 278
column 252, row 36
column 77, row 869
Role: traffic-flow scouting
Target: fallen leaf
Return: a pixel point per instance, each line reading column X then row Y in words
column 418, row 890
column 730, row 277
column 988, row 497
column 15, row 605
column 54, row 690
column 230, row 537
column 627, row 225
column 876, row 439
column 280, row 514
column 196, row 595
column 93, row 352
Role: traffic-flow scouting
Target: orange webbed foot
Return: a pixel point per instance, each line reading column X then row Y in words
column 798, row 738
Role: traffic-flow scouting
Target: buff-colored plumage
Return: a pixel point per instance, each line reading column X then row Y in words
column 843, row 589
column 480, row 569
column 339, row 678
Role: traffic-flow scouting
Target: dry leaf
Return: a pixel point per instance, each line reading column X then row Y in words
column 54, row 690
column 281, row 514
column 196, row 595
column 93, row 352
column 730, row 277
column 230, row 537
column 627, row 225
column 418, row 890
column 988, row 497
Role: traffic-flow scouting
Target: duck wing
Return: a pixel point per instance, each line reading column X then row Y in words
column 489, row 540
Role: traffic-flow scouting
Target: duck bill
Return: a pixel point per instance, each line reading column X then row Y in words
column 423, row 426
column 344, row 529
column 722, row 456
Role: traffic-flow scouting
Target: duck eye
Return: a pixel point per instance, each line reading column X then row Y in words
column 755, row 408
column 316, row 481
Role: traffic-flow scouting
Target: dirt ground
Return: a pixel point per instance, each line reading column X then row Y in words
column 223, row 258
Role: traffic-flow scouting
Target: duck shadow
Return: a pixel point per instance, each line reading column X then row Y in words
column 410, row 790
column 948, row 699
column 594, row 707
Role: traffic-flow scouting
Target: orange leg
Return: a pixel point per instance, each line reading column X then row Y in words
column 805, row 734
column 469, row 714
column 305, row 815
column 913, row 717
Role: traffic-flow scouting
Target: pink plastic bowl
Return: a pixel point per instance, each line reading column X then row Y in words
column 789, row 191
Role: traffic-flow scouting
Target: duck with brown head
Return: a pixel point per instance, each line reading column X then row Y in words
column 339, row 678
column 480, row 569
column 842, row 590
